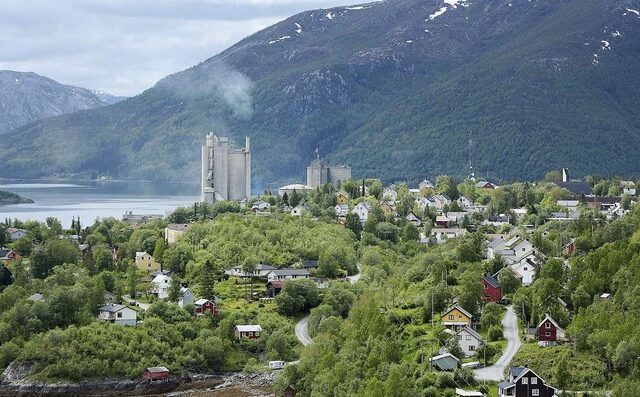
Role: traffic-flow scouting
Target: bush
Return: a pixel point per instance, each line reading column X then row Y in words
column 495, row 333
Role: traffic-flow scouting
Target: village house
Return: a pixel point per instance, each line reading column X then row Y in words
column 628, row 188
column 16, row 234
column 308, row 264
column 274, row 287
column 173, row 231
column 389, row 195
column 455, row 317
column 297, row 187
column 8, row 256
column 442, row 221
column 422, row 203
column 145, row 261
column 362, row 210
column 412, row 218
column 205, row 306
column 342, row 210
column 525, row 269
column 441, row 235
column 247, row 331
column 438, row 201
column 468, row 340
column 492, row 291
column 261, row 270
column 342, row 197
column 523, row 382
column 155, row 374
column 37, row 297
column 444, row 362
column 299, row 210
column 287, row 274
column 160, row 286
column 118, row 314
column 5, row 276
column 485, row 185
column 186, row 297
column 511, row 248
column 260, row 206
column 388, row 207
column 464, row 202
column 110, row 297
column 426, row 188
column 549, row 332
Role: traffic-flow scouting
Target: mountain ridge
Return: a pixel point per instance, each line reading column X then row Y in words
column 513, row 87
column 26, row 97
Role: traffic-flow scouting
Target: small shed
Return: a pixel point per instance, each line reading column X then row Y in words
column 152, row 374
column 445, row 362
column 290, row 391
column 247, row 331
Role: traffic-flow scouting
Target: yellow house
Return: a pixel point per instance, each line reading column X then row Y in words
column 455, row 317
column 342, row 198
column 145, row 261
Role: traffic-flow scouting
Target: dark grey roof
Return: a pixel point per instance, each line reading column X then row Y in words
column 290, row 272
column 576, row 187
column 505, row 385
column 516, row 371
column 4, row 252
column 493, row 281
column 111, row 308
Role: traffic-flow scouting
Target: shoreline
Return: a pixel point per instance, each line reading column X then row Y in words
column 53, row 179
column 251, row 384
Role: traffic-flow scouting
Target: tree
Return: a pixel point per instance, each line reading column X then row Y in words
column 285, row 198
column 294, row 199
column 553, row 176
column 353, row 223
column 495, row 333
column 491, row 316
column 102, row 259
column 208, row 278
column 410, row 232
column 158, row 252
column 297, row 296
column 448, row 186
column 175, row 289
column 132, row 281
column 508, row 281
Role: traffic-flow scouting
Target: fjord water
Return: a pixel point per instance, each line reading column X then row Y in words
column 91, row 200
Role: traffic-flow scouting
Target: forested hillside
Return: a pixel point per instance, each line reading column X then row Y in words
column 399, row 89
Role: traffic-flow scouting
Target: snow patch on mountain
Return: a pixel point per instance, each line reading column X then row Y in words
column 452, row 3
column 279, row 39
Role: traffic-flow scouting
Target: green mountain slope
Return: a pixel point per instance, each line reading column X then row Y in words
column 400, row 90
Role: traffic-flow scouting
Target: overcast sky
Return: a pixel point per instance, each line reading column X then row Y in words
column 124, row 46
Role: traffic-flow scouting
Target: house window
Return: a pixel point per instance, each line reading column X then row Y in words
column 547, row 325
column 468, row 337
column 119, row 315
column 459, row 337
column 451, row 317
column 534, row 381
column 526, row 268
column 472, row 348
column 525, row 381
column 547, row 333
column 535, row 392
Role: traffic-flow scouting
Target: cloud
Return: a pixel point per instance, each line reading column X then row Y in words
column 125, row 46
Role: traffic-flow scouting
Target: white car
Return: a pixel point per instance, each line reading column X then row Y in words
column 277, row 364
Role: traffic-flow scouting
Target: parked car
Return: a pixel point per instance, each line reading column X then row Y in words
column 277, row 364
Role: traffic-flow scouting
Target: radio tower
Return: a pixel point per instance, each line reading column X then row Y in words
column 472, row 175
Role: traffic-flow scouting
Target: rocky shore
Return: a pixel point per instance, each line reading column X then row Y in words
column 15, row 382
column 7, row 198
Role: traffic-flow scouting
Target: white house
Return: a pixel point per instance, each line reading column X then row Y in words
column 525, row 269
column 443, row 234
column 118, row 314
column 511, row 248
column 16, row 234
column 160, row 286
column 298, row 210
column 260, row 205
column 341, row 210
column 362, row 210
column 261, row 271
column 287, row 274
column 173, row 231
column 464, row 202
column 390, row 195
column 438, row 201
column 469, row 340
column 186, row 298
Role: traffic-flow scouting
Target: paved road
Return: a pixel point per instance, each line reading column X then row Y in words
column 302, row 326
column 510, row 329
column 302, row 331
column 143, row 306
column 354, row 279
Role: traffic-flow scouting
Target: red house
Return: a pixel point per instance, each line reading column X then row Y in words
column 492, row 291
column 570, row 248
column 205, row 306
column 549, row 330
column 152, row 374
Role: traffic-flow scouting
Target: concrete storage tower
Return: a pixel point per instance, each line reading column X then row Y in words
column 319, row 173
column 226, row 171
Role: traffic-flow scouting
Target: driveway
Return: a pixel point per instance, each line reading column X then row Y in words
column 496, row 371
column 354, row 279
column 143, row 306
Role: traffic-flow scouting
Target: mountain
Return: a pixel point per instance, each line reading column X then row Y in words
column 398, row 89
column 28, row 97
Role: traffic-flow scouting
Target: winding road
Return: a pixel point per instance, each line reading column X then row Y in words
column 302, row 326
column 496, row 371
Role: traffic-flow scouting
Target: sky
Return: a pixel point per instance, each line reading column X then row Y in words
column 123, row 47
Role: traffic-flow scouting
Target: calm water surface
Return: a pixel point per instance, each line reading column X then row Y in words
column 91, row 200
